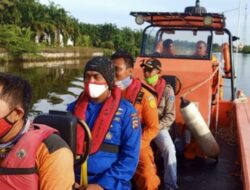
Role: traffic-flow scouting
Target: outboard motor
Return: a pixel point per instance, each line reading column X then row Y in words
column 197, row 9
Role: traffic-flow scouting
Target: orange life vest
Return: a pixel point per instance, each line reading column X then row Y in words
column 103, row 122
column 133, row 90
column 159, row 88
column 18, row 170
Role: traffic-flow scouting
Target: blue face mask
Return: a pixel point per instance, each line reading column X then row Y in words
column 123, row 84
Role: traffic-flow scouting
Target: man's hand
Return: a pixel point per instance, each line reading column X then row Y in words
column 93, row 187
column 78, row 187
column 159, row 47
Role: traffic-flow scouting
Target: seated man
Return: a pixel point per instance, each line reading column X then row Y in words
column 201, row 49
column 39, row 157
column 165, row 48
column 166, row 111
column 115, row 129
column 145, row 177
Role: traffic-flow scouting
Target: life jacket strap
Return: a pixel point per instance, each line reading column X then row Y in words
column 18, row 171
column 139, row 97
column 109, row 148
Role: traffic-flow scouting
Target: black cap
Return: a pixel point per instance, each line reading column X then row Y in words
column 152, row 63
column 103, row 66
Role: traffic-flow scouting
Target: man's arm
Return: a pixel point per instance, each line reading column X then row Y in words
column 55, row 161
column 150, row 119
column 159, row 47
column 168, row 116
column 71, row 106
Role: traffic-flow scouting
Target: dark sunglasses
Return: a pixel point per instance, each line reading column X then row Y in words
column 147, row 69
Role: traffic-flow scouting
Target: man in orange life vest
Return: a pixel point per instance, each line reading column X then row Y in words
column 31, row 156
column 146, row 176
column 114, row 125
column 166, row 110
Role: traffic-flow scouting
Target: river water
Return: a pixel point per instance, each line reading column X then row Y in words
column 59, row 83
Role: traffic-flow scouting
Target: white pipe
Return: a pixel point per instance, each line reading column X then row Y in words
column 199, row 129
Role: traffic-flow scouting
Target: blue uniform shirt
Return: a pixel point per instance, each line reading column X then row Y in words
column 113, row 171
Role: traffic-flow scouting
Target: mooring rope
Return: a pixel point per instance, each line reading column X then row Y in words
column 200, row 84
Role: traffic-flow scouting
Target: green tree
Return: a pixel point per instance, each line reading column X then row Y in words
column 216, row 47
column 246, row 49
column 49, row 22
column 9, row 13
column 16, row 41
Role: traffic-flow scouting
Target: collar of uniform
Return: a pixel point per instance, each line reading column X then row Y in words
column 13, row 141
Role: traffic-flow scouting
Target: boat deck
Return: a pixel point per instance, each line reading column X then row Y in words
column 205, row 174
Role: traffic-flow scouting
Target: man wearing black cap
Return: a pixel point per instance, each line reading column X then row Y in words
column 114, row 125
column 166, row 111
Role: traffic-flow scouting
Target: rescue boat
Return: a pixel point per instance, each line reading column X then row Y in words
column 211, row 128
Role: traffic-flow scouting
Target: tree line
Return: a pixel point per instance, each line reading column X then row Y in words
column 24, row 22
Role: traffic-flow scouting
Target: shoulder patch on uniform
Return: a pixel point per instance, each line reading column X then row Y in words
column 118, row 112
column 135, row 120
column 171, row 98
column 118, row 119
column 151, row 98
column 108, row 136
column 152, row 103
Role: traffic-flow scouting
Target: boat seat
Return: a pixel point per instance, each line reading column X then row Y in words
column 64, row 122
column 174, row 82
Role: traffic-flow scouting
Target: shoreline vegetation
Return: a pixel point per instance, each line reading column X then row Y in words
column 29, row 28
column 31, row 31
column 54, row 54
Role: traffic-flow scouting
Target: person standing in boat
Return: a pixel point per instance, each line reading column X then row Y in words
column 132, row 89
column 114, row 125
column 166, row 111
column 32, row 156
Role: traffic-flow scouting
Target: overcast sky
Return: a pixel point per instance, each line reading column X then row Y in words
column 117, row 11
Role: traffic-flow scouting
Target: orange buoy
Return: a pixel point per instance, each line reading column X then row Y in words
column 226, row 56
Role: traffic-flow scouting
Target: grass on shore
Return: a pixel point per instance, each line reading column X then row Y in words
column 84, row 52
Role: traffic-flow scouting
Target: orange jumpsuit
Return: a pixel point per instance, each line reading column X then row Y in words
column 145, row 177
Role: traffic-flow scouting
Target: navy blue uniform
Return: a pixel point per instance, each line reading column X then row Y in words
column 113, row 171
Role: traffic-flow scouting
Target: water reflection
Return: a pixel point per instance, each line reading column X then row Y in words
column 55, row 85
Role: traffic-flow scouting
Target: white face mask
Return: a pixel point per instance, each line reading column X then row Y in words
column 123, row 84
column 96, row 90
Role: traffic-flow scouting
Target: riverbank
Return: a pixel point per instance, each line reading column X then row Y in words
column 53, row 54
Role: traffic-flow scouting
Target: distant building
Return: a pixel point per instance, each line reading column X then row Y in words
column 240, row 47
